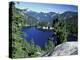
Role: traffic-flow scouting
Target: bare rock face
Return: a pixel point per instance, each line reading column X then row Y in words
column 67, row 48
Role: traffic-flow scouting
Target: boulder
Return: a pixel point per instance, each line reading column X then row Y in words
column 67, row 48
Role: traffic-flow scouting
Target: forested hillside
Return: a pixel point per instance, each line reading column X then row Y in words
column 20, row 47
column 63, row 26
column 66, row 25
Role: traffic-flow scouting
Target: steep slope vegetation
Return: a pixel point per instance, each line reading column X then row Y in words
column 66, row 26
column 19, row 48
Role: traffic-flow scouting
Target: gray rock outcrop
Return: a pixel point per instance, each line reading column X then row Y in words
column 67, row 48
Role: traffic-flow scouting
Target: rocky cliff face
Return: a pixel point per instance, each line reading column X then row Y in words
column 67, row 48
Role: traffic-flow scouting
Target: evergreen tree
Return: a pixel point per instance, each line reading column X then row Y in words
column 20, row 47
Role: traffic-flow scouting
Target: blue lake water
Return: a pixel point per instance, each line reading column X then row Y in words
column 39, row 36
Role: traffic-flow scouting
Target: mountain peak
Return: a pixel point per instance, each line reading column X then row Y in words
column 42, row 16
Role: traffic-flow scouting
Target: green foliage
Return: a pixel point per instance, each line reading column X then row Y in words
column 31, row 20
column 49, row 44
column 60, row 29
column 65, row 27
column 20, row 47
column 72, row 25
